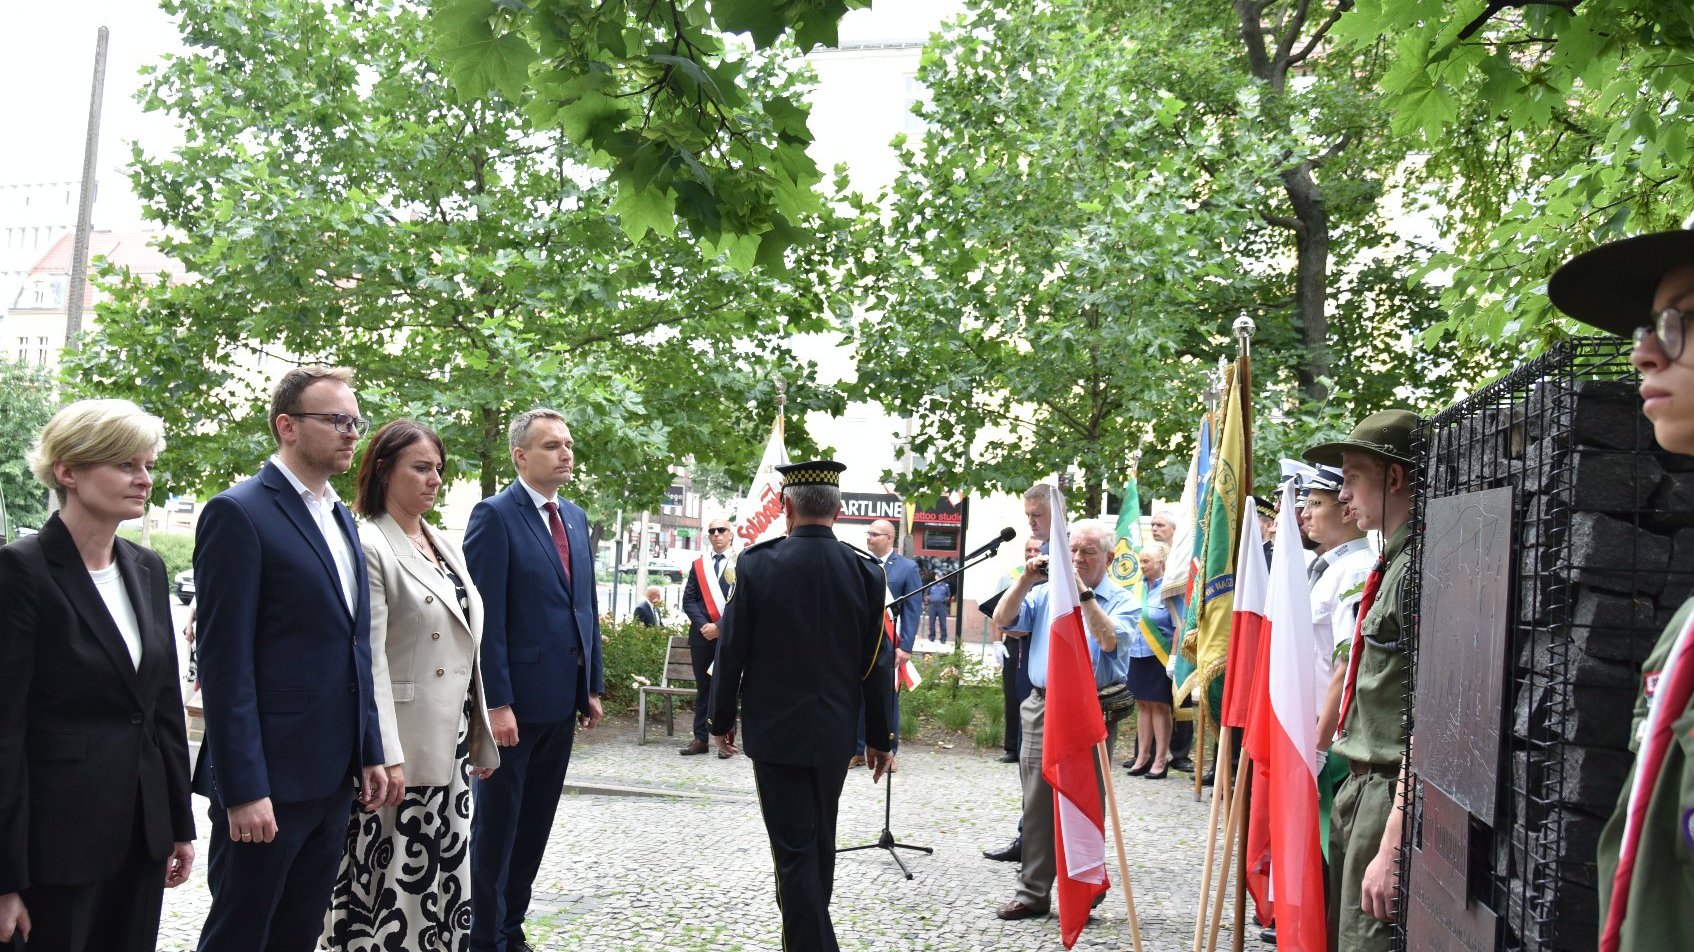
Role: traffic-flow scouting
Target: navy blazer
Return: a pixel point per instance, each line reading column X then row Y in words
column 903, row 580
column 537, row 631
column 87, row 739
column 285, row 664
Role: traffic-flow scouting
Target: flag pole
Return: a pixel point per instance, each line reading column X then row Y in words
column 1219, row 795
column 1244, row 328
column 1235, row 829
column 1105, row 761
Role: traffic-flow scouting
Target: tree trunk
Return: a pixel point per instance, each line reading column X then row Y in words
column 1311, row 278
column 488, row 456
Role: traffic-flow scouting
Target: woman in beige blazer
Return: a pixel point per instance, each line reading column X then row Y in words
column 406, row 872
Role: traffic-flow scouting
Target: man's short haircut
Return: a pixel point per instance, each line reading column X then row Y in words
column 1043, row 492
column 1095, row 530
column 1156, row 550
column 652, row 590
column 92, row 433
column 517, row 433
column 285, row 396
column 1169, row 515
column 814, row 502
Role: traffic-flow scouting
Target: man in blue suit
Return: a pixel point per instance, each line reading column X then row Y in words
column 285, row 668
column 902, row 580
column 541, row 667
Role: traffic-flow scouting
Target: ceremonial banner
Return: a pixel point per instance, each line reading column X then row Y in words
column 1074, row 727
column 759, row 517
column 1282, row 739
column 1220, row 526
column 1126, row 554
column 1241, row 687
column 1182, row 565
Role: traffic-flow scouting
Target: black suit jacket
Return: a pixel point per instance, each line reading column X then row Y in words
column 801, row 645
column 86, row 739
column 644, row 614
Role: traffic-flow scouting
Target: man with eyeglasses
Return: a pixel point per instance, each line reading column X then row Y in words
column 703, row 598
column 285, row 665
column 1644, row 286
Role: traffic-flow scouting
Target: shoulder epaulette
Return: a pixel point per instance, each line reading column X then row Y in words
column 759, row 545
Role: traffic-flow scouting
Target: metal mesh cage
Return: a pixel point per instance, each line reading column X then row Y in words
column 1603, row 554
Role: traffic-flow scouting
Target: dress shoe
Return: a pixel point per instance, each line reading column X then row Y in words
column 1008, row 758
column 1097, row 901
column 1159, row 774
column 695, row 746
column 1210, row 777
column 1268, row 935
column 1011, row 853
column 1138, row 771
column 1182, row 765
column 857, row 761
column 724, row 755
column 1014, row 910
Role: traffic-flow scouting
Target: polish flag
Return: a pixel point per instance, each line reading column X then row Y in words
column 1241, row 686
column 1074, row 727
column 1282, row 737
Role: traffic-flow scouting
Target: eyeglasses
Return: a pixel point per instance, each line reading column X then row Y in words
column 873, row 532
column 341, row 421
column 1670, row 326
column 717, row 530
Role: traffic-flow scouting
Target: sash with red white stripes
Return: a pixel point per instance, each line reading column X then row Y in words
column 711, row 589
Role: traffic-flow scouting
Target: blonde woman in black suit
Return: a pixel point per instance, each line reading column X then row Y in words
column 405, row 878
column 95, row 816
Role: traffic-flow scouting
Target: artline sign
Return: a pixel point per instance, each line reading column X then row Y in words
column 869, row 507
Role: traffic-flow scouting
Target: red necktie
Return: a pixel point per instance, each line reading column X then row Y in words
column 1669, row 700
column 560, row 542
column 1372, row 583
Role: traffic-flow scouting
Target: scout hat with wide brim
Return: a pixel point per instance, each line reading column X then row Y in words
column 1386, row 433
column 1612, row 286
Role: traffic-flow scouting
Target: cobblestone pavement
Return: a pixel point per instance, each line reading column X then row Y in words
column 690, row 870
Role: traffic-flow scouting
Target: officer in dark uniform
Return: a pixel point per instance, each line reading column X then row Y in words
column 800, row 646
column 1645, row 286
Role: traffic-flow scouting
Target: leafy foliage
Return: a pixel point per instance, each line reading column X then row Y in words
column 1549, row 127
column 634, row 654
column 648, row 90
column 27, row 402
column 335, row 200
column 1098, row 195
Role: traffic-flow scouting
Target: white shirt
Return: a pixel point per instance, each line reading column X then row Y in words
column 112, row 592
column 322, row 512
column 1337, row 594
column 540, row 503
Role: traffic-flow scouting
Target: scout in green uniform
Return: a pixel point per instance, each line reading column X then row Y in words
column 1645, row 286
column 1364, row 836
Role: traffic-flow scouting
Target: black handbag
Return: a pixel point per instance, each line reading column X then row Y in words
column 1116, row 701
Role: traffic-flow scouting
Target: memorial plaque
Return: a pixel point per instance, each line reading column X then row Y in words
column 1447, row 872
column 1463, row 632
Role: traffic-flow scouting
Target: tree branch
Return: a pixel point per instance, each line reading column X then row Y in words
column 1495, row 6
column 1323, row 30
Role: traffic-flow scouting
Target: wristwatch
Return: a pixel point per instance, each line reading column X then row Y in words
column 1087, row 595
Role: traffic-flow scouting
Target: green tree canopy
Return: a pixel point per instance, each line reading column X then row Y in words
column 1549, row 127
column 1098, row 195
column 336, row 200
column 27, row 401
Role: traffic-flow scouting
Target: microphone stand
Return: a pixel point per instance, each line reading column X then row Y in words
column 886, row 840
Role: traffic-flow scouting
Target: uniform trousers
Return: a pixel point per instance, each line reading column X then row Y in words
column 272, row 896
column 1040, row 860
column 119, row 913
column 800, row 805
column 702, row 653
column 1014, row 686
column 509, row 830
column 1359, row 815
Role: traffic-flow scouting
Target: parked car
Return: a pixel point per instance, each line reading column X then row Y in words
column 184, row 587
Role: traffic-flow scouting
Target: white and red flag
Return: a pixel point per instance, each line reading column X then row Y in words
column 759, row 517
column 1074, row 727
column 1241, row 686
column 1282, row 737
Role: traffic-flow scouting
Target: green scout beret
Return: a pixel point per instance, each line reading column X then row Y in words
column 1612, row 286
column 1385, row 433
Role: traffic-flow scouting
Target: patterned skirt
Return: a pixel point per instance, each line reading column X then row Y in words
column 404, row 881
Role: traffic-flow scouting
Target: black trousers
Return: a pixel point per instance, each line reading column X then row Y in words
column 1014, row 684
column 800, row 805
column 117, row 914
column 702, row 653
column 273, row 896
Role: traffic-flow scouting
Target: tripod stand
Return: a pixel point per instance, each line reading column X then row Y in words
column 886, row 840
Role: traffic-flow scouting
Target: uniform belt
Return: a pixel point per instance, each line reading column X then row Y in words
column 1358, row 767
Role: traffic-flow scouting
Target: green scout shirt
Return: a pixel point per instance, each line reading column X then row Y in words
column 1661, row 891
column 1375, row 731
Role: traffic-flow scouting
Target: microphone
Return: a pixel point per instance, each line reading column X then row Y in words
column 993, row 545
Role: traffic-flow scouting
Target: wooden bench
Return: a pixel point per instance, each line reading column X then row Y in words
column 679, row 667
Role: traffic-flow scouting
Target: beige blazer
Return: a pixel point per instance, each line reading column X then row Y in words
column 424, row 653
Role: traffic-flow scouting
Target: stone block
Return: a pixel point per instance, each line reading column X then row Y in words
column 1589, row 777
column 1617, row 628
column 1591, row 413
column 1611, row 554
